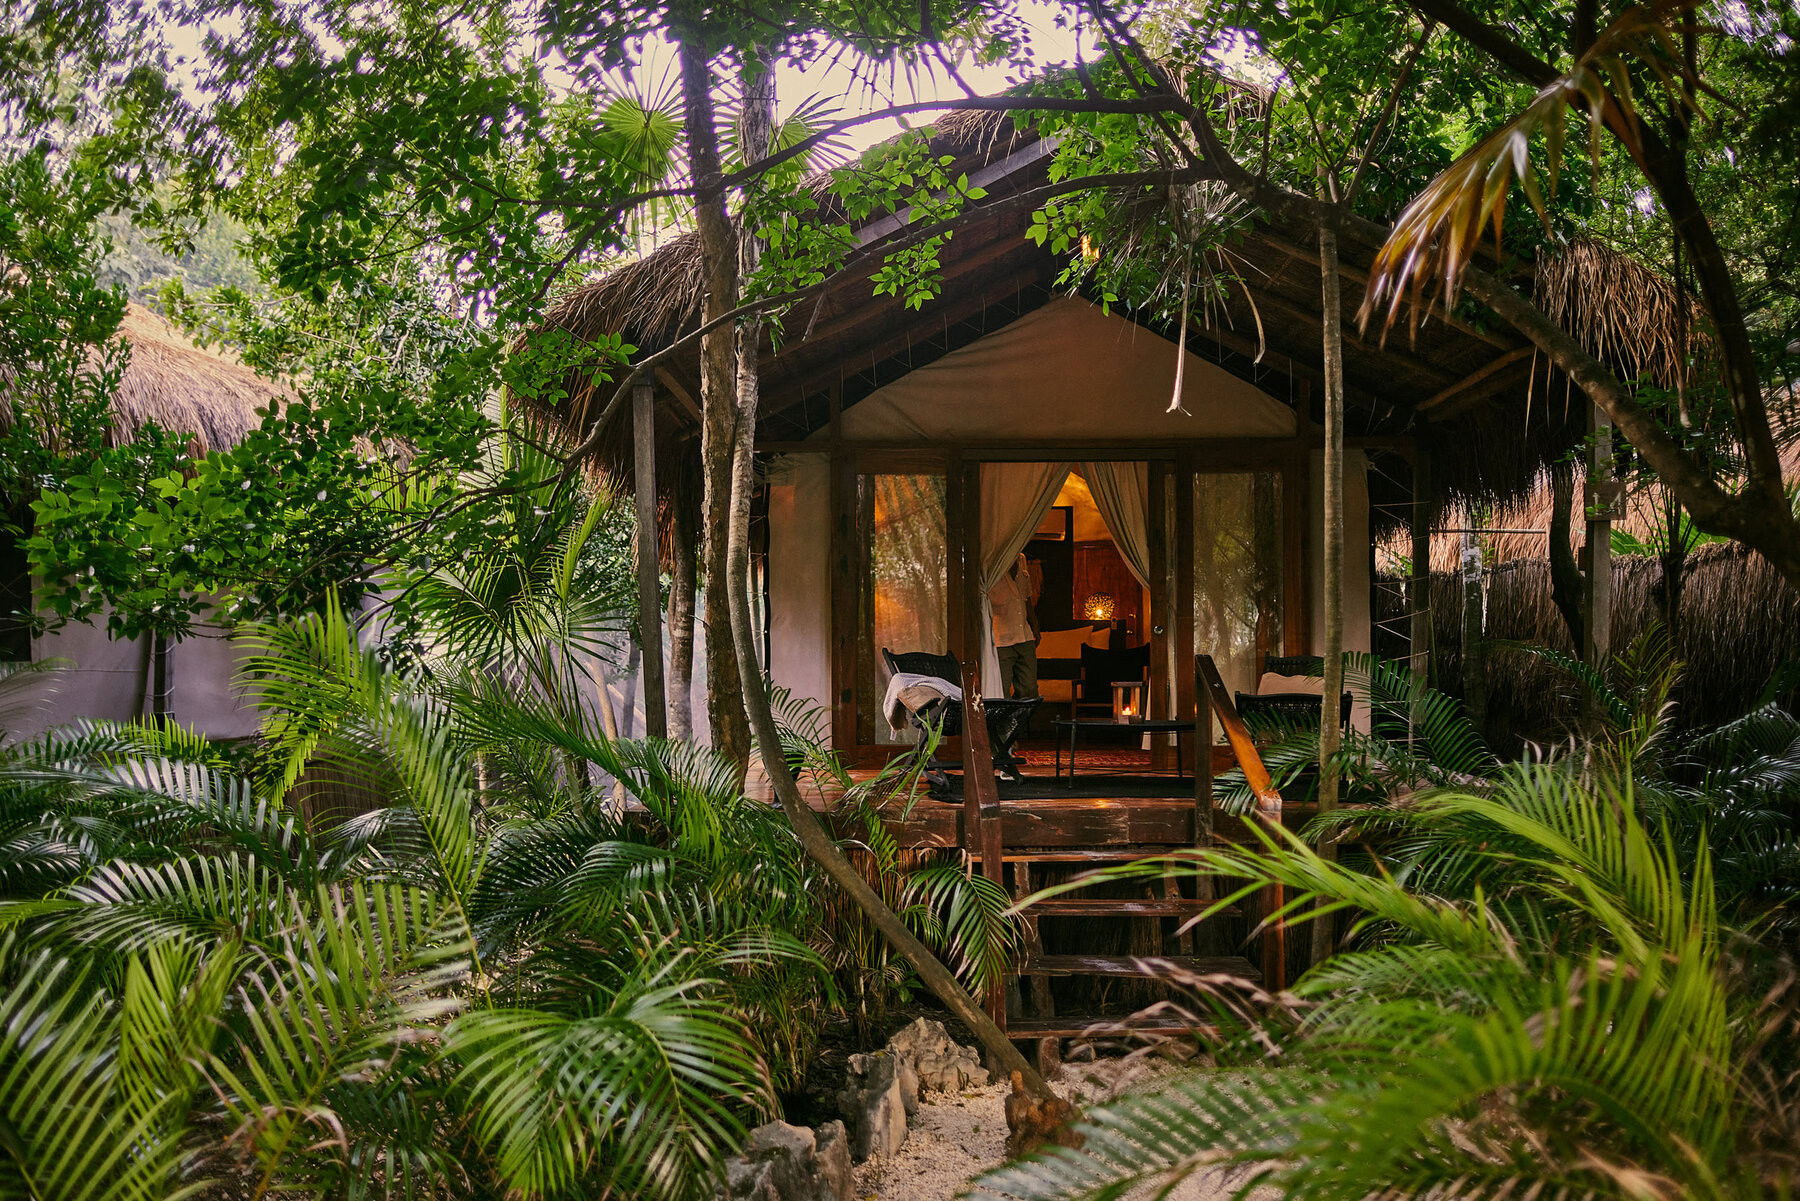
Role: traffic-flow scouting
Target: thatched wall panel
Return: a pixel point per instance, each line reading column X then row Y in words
column 1738, row 622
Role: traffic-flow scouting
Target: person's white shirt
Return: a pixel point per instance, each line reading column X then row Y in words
column 1010, row 600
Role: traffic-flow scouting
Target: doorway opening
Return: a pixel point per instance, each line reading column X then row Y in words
column 1091, row 608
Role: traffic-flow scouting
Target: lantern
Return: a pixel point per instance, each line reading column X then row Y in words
column 1099, row 607
column 1128, row 701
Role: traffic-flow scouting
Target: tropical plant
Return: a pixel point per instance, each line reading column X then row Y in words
column 1417, row 738
column 1581, row 1022
column 360, row 1008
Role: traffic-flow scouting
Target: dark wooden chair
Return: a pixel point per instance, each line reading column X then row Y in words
column 1282, row 710
column 1007, row 717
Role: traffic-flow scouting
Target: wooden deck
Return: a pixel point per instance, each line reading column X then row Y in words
column 1044, row 813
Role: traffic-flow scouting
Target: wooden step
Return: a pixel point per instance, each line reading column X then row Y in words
column 1119, row 907
column 1151, row 966
column 1075, row 1026
column 1094, row 855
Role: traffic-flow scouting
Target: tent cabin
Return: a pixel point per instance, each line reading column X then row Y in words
column 214, row 399
column 909, row 457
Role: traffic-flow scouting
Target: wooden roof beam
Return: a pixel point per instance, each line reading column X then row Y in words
column 674, row 387
column 1478, row 385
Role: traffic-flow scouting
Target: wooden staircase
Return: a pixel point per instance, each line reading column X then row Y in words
column 1023, row 1004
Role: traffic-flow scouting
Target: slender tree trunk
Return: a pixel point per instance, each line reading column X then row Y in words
column 681, row 623
column 814, row 839
column 756, row 131
column 718, row 399
column 1330, row 719
column 1673, row 557
column 1566, row 582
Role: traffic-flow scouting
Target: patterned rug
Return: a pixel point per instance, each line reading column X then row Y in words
column 1040, row 756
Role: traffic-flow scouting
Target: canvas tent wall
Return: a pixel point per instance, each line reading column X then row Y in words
column 1035, row 398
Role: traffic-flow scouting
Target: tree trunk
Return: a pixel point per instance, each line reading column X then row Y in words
column 814, row 839
column 718, row 399
column 1673, row 557
column 681, row 623
column 1566, row 581
column 1330, row 720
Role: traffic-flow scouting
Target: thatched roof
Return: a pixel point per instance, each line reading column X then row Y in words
column 1621, row 311
column 1480, row 401
column 183, row 388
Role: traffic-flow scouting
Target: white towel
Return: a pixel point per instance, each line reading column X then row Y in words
column 900, row 681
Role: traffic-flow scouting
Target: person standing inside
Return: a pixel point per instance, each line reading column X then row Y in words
column 1013, row 601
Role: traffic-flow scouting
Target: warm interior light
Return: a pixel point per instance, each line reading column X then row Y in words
column 1099, row 607
column 1128, row 700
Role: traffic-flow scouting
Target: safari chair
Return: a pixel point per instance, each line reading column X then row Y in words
column 1288, row 694
column 1270, row 715
column 1007, row 718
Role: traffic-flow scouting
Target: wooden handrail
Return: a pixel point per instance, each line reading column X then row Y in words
column 1209, row 684
column 982, row 835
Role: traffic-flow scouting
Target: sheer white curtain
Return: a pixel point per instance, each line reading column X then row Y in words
column 1122, row 494
column 1014, row 499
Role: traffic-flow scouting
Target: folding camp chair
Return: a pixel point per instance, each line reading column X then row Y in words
column 1007, row 717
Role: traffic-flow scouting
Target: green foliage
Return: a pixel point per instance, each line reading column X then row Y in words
column 1574, row 1023
column 1417, row 738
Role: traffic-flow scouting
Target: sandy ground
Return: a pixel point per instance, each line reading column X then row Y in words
column 954, row 1138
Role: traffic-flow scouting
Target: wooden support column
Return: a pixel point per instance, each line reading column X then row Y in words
column 1601, row 495
column 1474, row 634
column 1162, row 607
column 968, row 553
column 649, row 562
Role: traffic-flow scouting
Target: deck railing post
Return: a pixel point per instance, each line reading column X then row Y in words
column 1268, row 812
column 982, row 837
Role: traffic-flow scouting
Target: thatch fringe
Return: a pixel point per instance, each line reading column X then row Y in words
column 1738, row 623
column 1621, row 311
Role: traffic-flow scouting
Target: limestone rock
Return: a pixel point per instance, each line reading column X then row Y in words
column 833, row 1161
column 938, row 1061
column 874, row 1105
column 791, row 1163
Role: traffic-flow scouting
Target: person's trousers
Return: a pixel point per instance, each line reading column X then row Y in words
column 1018, row 669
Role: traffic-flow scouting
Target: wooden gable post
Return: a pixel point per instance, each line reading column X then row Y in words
column 649, row 564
